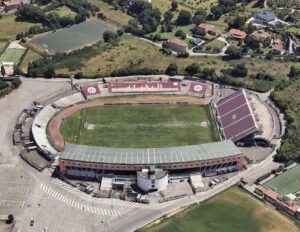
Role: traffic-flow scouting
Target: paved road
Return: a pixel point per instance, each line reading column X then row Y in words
column 57, row 207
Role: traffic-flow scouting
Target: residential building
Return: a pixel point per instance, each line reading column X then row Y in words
column 277, row 47
column 14, row 4
column 213, row 31
column 177, row 45
column 204, row 29
column 264, row 17
column 237, row 34
column 201, row 29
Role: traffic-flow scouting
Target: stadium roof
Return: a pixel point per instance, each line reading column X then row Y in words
column 236, row 116
column 148, row 156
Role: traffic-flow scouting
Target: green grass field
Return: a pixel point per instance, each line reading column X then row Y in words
column 140, row 126
column 12, row 55
column 29, row 57
column 231, row 211
column 74, row 37
column 10, row 27
column 288, row 182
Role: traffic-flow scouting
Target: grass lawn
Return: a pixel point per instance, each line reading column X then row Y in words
column 114, row 15
column 215, row 44
column 12, row 55
column 140, row 126
column 171, row 35
column 3, row 44
column 10, row 28
column 64, row 11
column 288, row 182
column 231, row 211
column 29, row 57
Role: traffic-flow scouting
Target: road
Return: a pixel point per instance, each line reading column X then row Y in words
column 54, row 205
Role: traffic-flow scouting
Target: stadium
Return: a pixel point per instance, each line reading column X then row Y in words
column 177, row 126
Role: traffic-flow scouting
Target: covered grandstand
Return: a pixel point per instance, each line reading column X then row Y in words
column 236, row 116
column 220, row 157
column 142, row 87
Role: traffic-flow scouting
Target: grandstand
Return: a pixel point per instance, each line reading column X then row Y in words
column 236, row 116
column 142, row 87
column 219, row 157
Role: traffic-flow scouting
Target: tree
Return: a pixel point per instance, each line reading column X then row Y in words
column 10, row 218
column 184, row 18
column 2, row 70
column 109, row 36
column 199, row 16
column 233, row 52
column 295, row 71
column 157, row 37
column 172, row 69
column 252, row 42
column 174, row 6
column 78, row 75
column 50, row 72
column 239, row 70
column 180, row 34
column 192, row 69
column 237, row 22
column 168, row 16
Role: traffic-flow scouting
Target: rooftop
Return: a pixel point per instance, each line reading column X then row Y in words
column 178, row 42
column 266, row 16
column 148, row 156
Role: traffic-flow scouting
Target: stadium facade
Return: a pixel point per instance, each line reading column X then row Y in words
column 218, row 157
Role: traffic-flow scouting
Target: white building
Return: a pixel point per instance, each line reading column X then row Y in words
column 152, row 180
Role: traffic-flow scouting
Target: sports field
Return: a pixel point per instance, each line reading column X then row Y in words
column 12, row 55
column 74, row 37
column 140, row 126
column 231, row 211
column 288, row 182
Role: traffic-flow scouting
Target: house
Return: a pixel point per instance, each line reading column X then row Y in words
column 264, row 17
column 237, row 34
column 8, row 68
column 176, row 45
column 201, row 29
column 213, row 31
column 197, row 41
column 204, row 29
column 14, row 4
column 277, row 47
column 261, row 34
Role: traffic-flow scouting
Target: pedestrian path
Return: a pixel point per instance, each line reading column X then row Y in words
column 75, row 204
column 110, row 201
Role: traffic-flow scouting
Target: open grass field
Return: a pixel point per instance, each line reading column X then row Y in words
column 140, row 54
column 139, row 126
column 12, row 55
column 64, row 11
column 10, row 27
column 113, row 15
column 231, row 211
column 288, row 182
column 74, row 37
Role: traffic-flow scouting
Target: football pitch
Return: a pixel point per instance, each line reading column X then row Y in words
column 73, row 37
column 12, row 55
column 230, row 211
column 141, row 126
column 288, row 182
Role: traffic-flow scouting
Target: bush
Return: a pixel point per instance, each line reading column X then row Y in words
column 172, row 69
